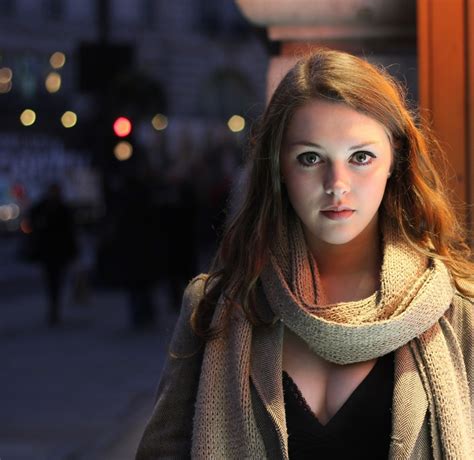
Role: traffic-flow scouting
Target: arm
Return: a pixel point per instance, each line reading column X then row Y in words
column 169, row 430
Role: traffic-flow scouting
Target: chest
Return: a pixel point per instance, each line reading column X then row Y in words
column 325, row 386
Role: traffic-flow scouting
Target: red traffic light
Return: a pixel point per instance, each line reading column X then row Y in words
column 122, row 127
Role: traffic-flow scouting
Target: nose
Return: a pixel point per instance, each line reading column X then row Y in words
column 336, row 180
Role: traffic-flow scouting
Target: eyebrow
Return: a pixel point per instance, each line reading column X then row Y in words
column 314, row 144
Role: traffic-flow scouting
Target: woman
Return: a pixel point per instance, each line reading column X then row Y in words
column 337, row 320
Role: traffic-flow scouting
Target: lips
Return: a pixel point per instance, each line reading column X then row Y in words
column 338, row 213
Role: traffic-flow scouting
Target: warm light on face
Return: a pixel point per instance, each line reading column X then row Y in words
column 69, row 119
column 159, row 122
column 122, row 127
column 335, row 163
column 53, row 82
column 236, row 123
column 123, row 150
column 27, row 117
column 57, row 60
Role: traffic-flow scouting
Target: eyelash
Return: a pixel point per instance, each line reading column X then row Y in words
column 302, row 156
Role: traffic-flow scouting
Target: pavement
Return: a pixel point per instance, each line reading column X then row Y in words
column 83, row 390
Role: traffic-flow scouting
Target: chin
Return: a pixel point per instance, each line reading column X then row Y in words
column 336, row 238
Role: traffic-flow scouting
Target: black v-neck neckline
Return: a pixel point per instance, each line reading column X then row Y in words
column 338, row 418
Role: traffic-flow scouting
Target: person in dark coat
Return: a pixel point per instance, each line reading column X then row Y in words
column 53, row 232
column 136, row 245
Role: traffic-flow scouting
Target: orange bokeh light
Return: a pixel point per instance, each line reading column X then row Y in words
column 122, row 127
column 26, row 227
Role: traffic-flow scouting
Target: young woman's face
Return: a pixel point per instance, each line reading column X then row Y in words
column 335, row 163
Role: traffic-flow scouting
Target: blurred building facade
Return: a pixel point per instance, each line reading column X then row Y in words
column 183, row 44
column 200, row 61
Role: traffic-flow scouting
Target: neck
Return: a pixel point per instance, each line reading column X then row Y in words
column 350, row 258
column 349, row 271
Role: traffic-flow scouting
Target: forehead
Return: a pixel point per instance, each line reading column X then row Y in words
column 326, row 119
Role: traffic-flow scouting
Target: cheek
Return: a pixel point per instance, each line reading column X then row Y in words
column 301, row 188
column 372, row 189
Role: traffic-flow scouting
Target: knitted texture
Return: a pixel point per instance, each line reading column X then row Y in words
column 405, row 315
column 224, row 425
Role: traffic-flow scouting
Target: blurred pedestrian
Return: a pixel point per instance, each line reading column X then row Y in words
column 136, row 242
column 178, row 230
column 54, row 238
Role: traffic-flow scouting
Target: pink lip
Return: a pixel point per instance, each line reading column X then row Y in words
column 338, row 215
column 338, row 208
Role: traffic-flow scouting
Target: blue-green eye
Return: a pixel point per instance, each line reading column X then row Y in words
column 362, row 158
column 309, row 158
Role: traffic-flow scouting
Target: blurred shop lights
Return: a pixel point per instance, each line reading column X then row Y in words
column 159, row 122
column 25, row 227
column 69, row 119
column 6, row 76
column 122, row 127
column 9, row 212
column 236, row 123
column 123, row 150
column 5, row 87
column 53, row 82
column 27, row 117
column 57, row 60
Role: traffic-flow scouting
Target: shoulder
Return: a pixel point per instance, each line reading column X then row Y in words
column 194, row 291
column 184, row 340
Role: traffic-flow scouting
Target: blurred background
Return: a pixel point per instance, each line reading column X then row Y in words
column 123, row 135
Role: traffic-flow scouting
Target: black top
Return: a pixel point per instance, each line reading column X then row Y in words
column 359, row 430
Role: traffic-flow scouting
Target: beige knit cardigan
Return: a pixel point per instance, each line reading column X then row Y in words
column 169, row 430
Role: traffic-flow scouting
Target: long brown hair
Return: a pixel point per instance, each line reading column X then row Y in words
column 416, row 199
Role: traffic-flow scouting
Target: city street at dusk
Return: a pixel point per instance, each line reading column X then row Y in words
column 83, row 391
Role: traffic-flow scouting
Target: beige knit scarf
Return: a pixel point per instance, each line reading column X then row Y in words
column 406, row 314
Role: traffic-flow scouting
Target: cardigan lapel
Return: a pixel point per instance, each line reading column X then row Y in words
column 266, row 375
column 409, row 407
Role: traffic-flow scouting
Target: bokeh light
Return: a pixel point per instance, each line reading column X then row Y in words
column 123, row 150
column 57, row 60
column 6, row 75
column 236, row 123
column 159, row 122
column 5, row 87
column 69, row 119
column 27, row 117
column 122, row 127
column 25, row 227
column 9, row 212
column 53, row 82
